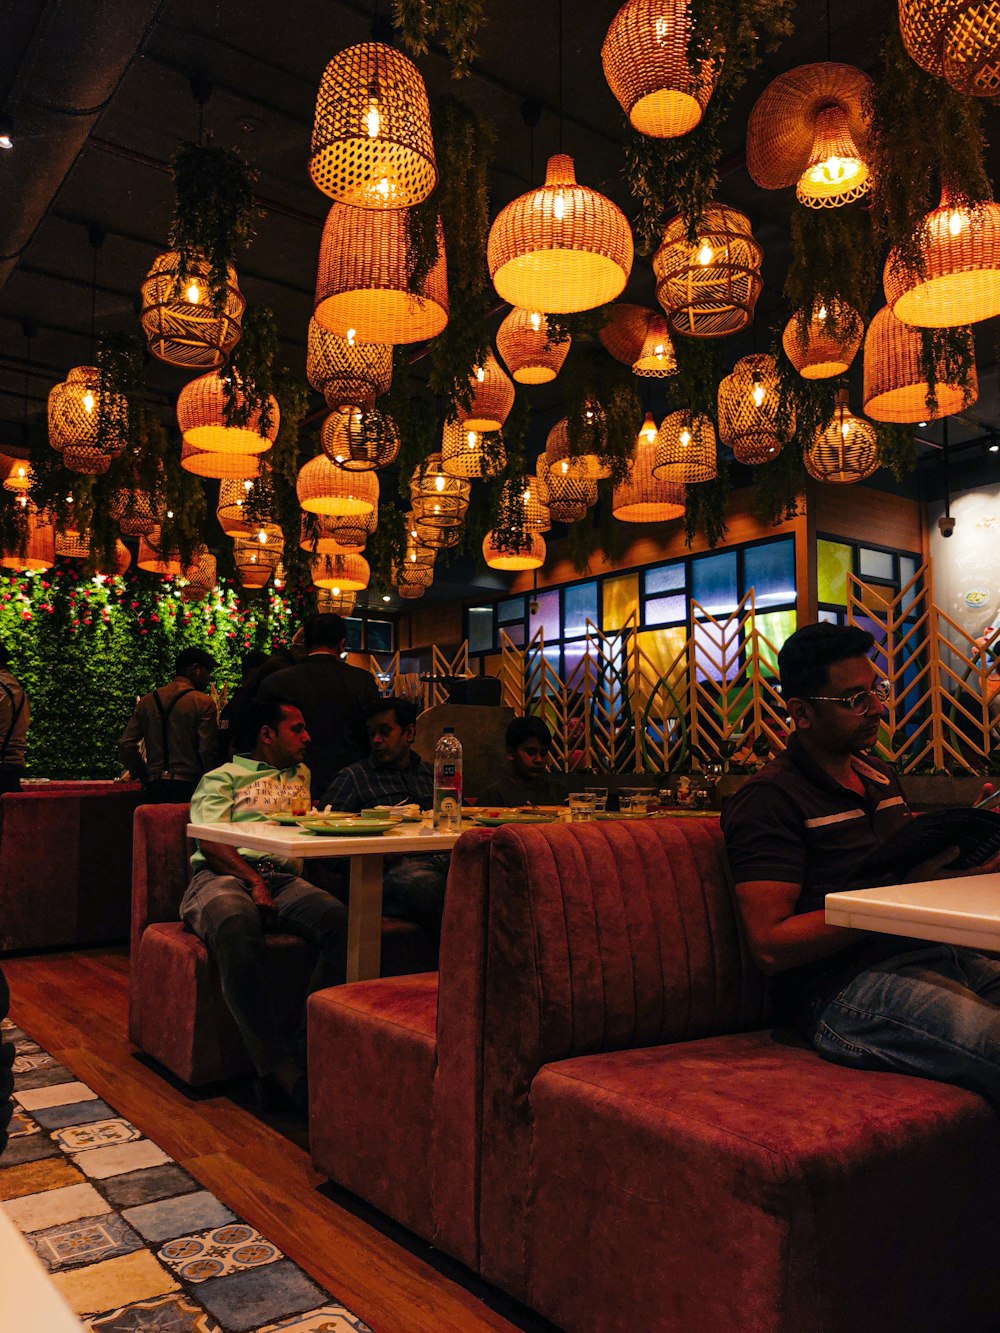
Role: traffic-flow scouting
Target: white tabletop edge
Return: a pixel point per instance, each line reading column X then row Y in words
column 262, row 836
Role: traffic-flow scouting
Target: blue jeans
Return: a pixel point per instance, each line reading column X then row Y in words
column 932, row 1012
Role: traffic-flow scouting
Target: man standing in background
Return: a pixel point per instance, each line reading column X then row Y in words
column 15, row 714
column 178, row 728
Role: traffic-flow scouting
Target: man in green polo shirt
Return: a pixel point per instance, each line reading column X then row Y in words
column 236, row 893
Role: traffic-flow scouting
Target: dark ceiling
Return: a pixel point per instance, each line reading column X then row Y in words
column 101, row 95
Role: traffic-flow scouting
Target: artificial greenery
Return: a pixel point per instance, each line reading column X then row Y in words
column 603, row 411
column 248, row 377
column 706, row 508
column 778, row 486
column 214, row 213
column 272, row 498
column 833, row 266
column 458, row 20
column 695, row 385
column 948, row 356
column 120, row 393
column 897, row 448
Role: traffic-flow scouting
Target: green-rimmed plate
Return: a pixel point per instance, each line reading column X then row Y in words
column 356, row 828
column 494, row 821
column 622, row 814
column 284, row 817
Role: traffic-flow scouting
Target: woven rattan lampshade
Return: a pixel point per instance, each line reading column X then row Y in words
column 809, row 129
column 76, row 546
column 895, row 386
column 561, row 247
column 471, row 453
column 337, row 604
column 133, row 511
column 200, row 576
column 340, row 572
column 500, row 554
column 557, row 445
column 411, row 591
column 523, row 342
column 709, row 289
column 324, row 488
column 362, row 286
column 201, row 417
column 19, row 475
column 39, row 547
column 360, row 439
column 432, row 534
column 233, row 495
column 441, row 500
column 685, row 449
column 645, row 59
column 657, row 359
column 846, row 451
column 624, row 334
column 154, row 560
column 346, row 372
column 417, row 566
column 827, row 345
column 75, row 411
column 960, row 281
column 644, row 498
column 748, row 410
column 535, row 501
column 337, row 534
column 956, row 39
column 254, row 563
column 571, row 489
column 208, row 463
column 371, row 139
column 492, row 397
column 180, row 323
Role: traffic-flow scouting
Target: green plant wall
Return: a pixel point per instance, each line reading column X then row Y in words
column 84, row 648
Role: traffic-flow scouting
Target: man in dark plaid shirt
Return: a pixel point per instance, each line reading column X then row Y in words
column 412, row 886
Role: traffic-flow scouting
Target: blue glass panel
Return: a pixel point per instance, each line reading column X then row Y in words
column 378, row 636
column 907, row 569
column 667, row 610
column 713, row 582
column 546, row 618
column 665, row 578
column 579, row 606
column 354, row 631
column 512, row 608
column 480, row 629
column 709, row 650
column 770, row 571
column 515, row 633
column 875, row 564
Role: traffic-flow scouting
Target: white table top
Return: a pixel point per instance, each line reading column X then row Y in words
column 950, row 911
column 31, row 1299
column 284, row 841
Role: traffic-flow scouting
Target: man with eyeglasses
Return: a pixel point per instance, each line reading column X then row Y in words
column 800, row 829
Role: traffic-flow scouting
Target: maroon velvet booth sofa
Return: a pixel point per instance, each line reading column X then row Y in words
column 66, row 865
column 602, row 1123
column 177, row 1013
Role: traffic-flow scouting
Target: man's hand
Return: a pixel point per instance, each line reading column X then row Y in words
column 259, row 892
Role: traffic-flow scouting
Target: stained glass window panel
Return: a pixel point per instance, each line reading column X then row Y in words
column 621, row 600
column 875, row 564
column 833, row 564
column 770, row 571
column 480, row 629
column 512, row 608
column 713, row 582
column 579, row 606
column 546, row 618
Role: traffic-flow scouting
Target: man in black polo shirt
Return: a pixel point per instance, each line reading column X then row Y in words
column 802, row 828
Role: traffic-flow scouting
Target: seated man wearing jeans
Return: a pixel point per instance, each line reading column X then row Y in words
column 802, row 828
column 235, row 893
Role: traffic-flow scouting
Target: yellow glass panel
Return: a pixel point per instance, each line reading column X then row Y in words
column 833, row 564
column 664, row 648
column 621, row 600
column 776, row 627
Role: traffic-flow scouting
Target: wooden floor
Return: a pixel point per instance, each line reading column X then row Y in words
column 75, row 1005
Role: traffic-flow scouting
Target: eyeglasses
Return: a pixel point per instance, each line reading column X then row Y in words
column 859, row 701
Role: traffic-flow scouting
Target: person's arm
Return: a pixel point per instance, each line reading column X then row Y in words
column 780, row 939
column 212, row 803
column 226, row 860
column 208, row 734
column 128, row 748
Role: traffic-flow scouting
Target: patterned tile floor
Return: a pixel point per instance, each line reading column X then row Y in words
column 132, row 1241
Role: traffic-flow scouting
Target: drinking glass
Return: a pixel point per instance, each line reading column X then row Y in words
column 637, row 799
column 600, row 795
column 581, row 805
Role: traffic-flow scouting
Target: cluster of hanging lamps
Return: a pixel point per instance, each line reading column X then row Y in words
column 685, row 449
column 826, row 344
column 73, row 545
column 200, row 576
column 336, row 534
column 37, row 549
column 643, row 497
column 183, row 325
column 645, row 59
column 212, row 448
column 440, row 499
column 88, row 428
column 959, row 40
column 958, row 278
column 560, row 248
column 748, row 410
column 571, row 489
column 468, row 452
column 592, row 457
column 709, row 288
column 895, row 385
column 509, row 552
column 657, row 358
column 345, row 371
column 846, row 451
column 809, row 129
column 491, row 399
column 324, row 488
column 360, row 439
column 155, row 558
column 523, row 340
column 341, row 572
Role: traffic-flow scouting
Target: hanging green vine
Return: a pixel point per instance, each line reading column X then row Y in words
column 603, row 410
column 948, row 356
column 695, row 386
column 778, row 486
column 214, row 213
column 387, row 547
column 248, row 377
column 833, row 265
column 706, row 508
column 459, row 21
column 273, row 497
column 667, row 175
column 897, row 448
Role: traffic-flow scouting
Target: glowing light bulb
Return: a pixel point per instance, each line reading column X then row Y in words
column 821, row 314
column 21, row 473
column 336, row 592
column 88, row 402
column 351, row 335
column 844, row 429
column 22, row 500
column 239, row 504
column 527, row 494
column 955, row 223
column 685, row 438
column 437, row 509
column 386, row 597
column 536, row 320
column 648, row 431
column 759, row 393
column 247, row 486
column 835, row 170
column 705, row 254
column 439, row 482
column 383, row 187
column 170, row 513
column 413, row 557
column 262, row 537
column 373, row 122
column 659, row 350
column 472, row 437
column 565, row 466
column 559, row 206
column 480, row 373
column 193, row 293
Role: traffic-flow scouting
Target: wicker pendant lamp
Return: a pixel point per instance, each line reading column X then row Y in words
column 335, row 603
column 233, row 495
column 201, row 417
column 132, row 509
column 560, row 248
column 685, row 449
column 571, row 489
column 809, row 129
column 657, row 359
column 748, row 410
column 76, row 546
column 363, row 287
column 523, row 342
column 39, row 549
column 411, row 591
column 959, row 40
column 643, row 497
column 557, row 445
column 324, row 488
column 336, row 534
column 535, row 502
column 895, row 385
column 228, row 466
column 74, row 422
column 492, row 397
column 440, row 499
column 847, row 451
column 416, row 567
column 467, row 452
column 960, row 278
column 346, row 372
column 182, row 328
column 624, row 334
column 340, row 572
column 500, row 553
column 360, row 439
column 432, row 534
column 200, row 576
column 828, row 344
column 19, row 476
column 255, row 563
column 371, row 139
column 709, row 289
column 645, row 59
column 168, row 564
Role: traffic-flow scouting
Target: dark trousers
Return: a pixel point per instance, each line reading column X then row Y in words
column 10, row 777
column 168, row 791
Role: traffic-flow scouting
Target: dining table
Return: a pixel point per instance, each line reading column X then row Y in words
column 964, row 910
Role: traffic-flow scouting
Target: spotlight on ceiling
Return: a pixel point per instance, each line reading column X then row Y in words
column 992, row 443
column 386, row 597
column 6, row 132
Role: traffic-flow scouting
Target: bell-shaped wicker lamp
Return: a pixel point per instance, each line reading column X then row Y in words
column 337, row 534
column 360, row 439
column 492, row 397
column 200, row 576
column 657, row 359
column 959, row 40
column 181, row 323
column 233, row 495
column 343, row 572
column 523, row 342
column 748, row 410
column 645, row 59
column 560, row 248
column 896, row 387
column 371, row 141
column 324, row 488
column 255, row 563
column 363, row 286
column 208, row 463
column 847, row 451
column 155, row 560
column 685, row 449
column 37, row 548
column 827, row 343
column 594, row 460
column 959, row 281
column 335, row 603
column 466, row 452
column 570, row 487
column 440, row 499
column 505, row 552
column 133, row 510
column 201, row 416
column 709, row 289
column 19, row 476
column 346, row 372
column 417, row 565
column 643, row 497
column 624, row 334
column 75, row 422
column 431, row 534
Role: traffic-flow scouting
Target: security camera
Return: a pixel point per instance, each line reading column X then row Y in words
column 533, row 606
column 946, row 524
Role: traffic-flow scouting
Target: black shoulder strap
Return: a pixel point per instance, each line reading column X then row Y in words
column 15, row 713
column 164, row 720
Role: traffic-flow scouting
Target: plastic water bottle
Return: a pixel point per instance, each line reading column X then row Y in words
column 448, row 783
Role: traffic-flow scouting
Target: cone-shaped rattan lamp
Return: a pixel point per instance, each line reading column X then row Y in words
column 201, row 415
column 255, row 563
column 624, row 334
column 959, row 40
column 523, row 342
column 847, row 451
column 709, row 289
column 645, row 59
column 182, row 326
column 827, row 344
column 360, row 439
column 19, row 476
column 642, row 497
column 657, row 359
column 343, row 571
column 346, row 372
column 324, row 488
column 748, row 410
column 685, row 449
column 895, row 385
column 560, row 248
column 492, row 397
column 75, row 411
column 501, row 552
column 233, row 495
column 471, row 453
column 959, row 282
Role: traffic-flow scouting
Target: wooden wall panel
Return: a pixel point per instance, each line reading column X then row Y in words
column 865, row 515
column 430, row 623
